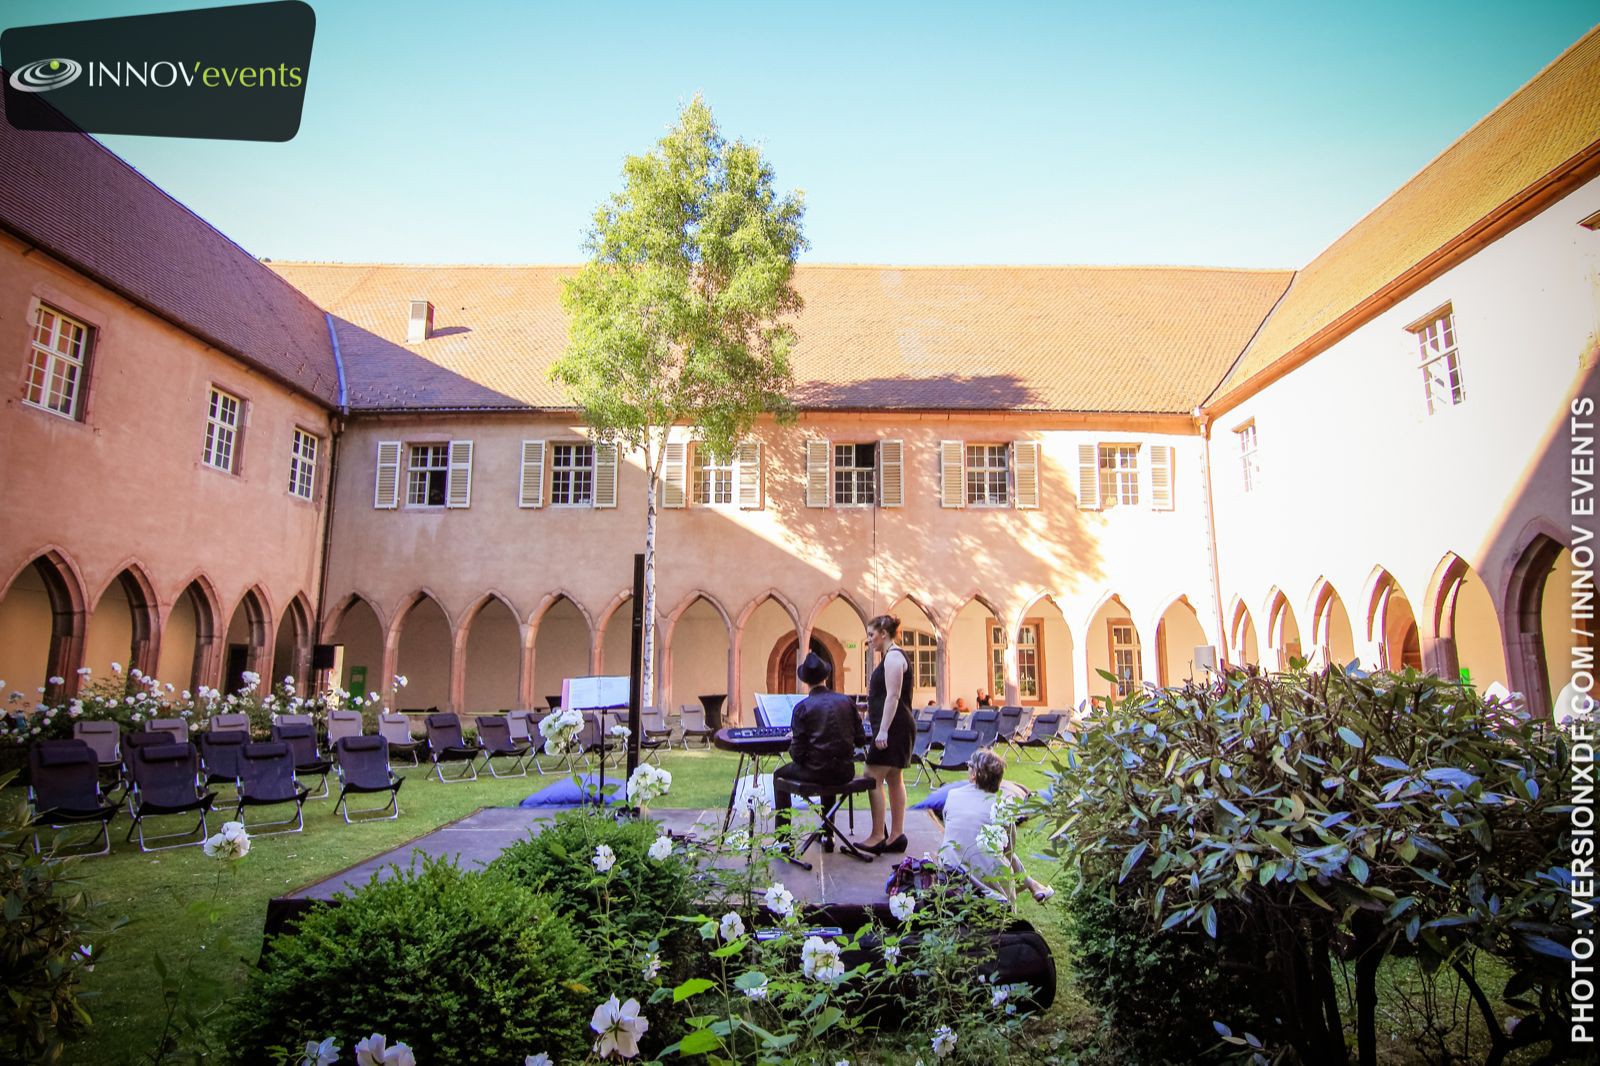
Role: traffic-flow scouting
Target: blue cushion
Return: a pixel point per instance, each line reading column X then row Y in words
column 566, row 793
column 935, row 799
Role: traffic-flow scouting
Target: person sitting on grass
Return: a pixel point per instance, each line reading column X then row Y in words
column 968, row 809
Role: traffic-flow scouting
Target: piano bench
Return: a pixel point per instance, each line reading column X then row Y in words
column 831, row 798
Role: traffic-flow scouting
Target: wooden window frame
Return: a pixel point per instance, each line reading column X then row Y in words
column 854, row 472
column 52, row 358
column 215, row 395
column 1115, row 479
column 705, row 470
column 302, row 468
column 986, row 471
column 1112, row 625
column 1439, row 347
column 442, row 469
column 1037, row 625
column 1249, row 456
column 573, row 472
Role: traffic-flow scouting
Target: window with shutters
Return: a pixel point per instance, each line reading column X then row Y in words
column 713, row 477
column 1442, row 383
column 988, row 480
column 303, row 464
column 57, row 356
column 571, row 475
column 1247, row 456
column 222, row 431
column 1119, row 475
column 855, row 470
column 427, row 475
column 922, row 651
column 1125, row 655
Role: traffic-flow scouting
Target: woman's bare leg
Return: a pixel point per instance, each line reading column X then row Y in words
column 876, row 801
column 896, row 787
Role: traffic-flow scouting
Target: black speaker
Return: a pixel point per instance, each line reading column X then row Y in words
column 322, row 656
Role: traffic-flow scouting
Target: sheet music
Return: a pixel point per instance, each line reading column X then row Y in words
column 595, row 693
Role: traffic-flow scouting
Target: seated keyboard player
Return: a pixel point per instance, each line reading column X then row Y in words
column 826, row 733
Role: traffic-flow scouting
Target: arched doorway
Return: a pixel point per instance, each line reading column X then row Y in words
column 785, row 659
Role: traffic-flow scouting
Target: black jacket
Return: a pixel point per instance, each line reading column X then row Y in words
column 827, row 731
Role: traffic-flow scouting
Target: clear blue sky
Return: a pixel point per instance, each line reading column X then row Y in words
column 1240, row 134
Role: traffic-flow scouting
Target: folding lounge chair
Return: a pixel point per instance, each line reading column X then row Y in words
column 165, row 780
column 494, row 738
column 524, row 727
column 945, row 722
column 445, row 744
column 103, row 739
column 1010, row 722
column 176, row 729
column 1044, row 729
column 230, row 723
column 920, row 745
column 692, row 723
column 220, row 751
column 64, row 778
column 363, row 765
column 986, row 723
column 131, row 742
column 301, row 736
column 267, row 778
column 592, row 738
column 957, row 754
column 396, row 729
column 657, row 731
column 343, row 724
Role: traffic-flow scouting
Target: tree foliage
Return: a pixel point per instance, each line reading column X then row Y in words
column 1335, row 813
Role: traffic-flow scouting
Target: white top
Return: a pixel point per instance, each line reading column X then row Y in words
column 967, row 809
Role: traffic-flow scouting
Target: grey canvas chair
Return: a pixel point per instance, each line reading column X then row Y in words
column 64, row 788
column 363, row 766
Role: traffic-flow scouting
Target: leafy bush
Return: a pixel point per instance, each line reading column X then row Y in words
column 463, row 967
column 1157, row 994
column 48, row 924
column 1302, row 813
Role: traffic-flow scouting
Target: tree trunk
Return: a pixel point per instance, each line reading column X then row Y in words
column 648, row 673
column 1370, row 949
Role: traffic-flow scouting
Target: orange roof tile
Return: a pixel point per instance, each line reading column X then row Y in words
column 1551, row 121
column 1112, row 339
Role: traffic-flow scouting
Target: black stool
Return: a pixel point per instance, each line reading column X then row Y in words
column 829, row 798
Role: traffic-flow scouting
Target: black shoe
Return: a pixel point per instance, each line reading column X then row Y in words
column 872, row 849
column 896, row 846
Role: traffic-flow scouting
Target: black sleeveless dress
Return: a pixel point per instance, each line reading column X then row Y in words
column 902, row 726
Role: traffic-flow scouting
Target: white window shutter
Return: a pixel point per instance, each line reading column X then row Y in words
column 952, row 474
column 819, row 493
column 1161, row 477
column 531, row 493
column 674, row 474
column 386, row 489
column 891, row 473
column 605, row 475
column 1025, row 467
column 1088, row 477
column 459, row 492
column 747, row 474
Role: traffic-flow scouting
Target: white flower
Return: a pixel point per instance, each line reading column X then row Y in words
column 619, row 1026
column 87, row 951
column 136, row 673
column 992, row 839
column 232, row 843
column 732, row 926
column 541, row 1059
column 661, row 848
column 891, row 953
column 58, row 680
column 738, row 840
column 620, row 731
column 819, row 959
column 83, row 671
column 604, row 858
column 944, row 1041
column 251, row 679
column 842, row 1062
column 400, row 681
column 652, row 966
column 116, row 668
column 288, row 680
column 323, row 1054
column 648, row 784
column 758, row 992
column 375, row 1051
column 901, row 905
column 780, row 900
column 999, row 997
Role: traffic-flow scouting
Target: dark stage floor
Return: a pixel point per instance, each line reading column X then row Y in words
column 835, row 880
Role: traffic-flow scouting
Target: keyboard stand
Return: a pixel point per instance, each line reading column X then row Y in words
column 753, row 760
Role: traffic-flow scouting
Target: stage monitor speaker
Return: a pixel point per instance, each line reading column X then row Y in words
column 1205, row 657
column 322, row 656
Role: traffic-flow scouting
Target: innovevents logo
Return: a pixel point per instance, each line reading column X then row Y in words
column 42, row 75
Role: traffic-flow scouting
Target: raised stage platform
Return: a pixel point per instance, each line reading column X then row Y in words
column 835, row 880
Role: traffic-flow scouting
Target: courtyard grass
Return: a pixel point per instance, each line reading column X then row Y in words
column 154, row 892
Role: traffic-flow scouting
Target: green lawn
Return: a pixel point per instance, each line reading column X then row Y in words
column 153, row 892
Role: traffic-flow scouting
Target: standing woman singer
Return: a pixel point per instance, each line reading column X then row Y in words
column 893, row 730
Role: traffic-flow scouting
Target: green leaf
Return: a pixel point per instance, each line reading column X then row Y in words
column 699, row 1042
column 692, row 987
column 1351, row 737
column 1133, row 857
column 1311, row 894
column 1358, row 868
column 825, row 1021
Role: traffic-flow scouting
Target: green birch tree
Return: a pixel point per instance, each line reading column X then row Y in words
column 682, row 314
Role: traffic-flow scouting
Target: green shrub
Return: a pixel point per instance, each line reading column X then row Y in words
column 463, row 967
column 1158, row 993
column 48, row 921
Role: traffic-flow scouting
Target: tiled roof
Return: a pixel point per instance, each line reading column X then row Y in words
column 70, row 195
column 1104, row 339
column 1543, row 126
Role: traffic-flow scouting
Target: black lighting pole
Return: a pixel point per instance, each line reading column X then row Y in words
column 636, row 669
